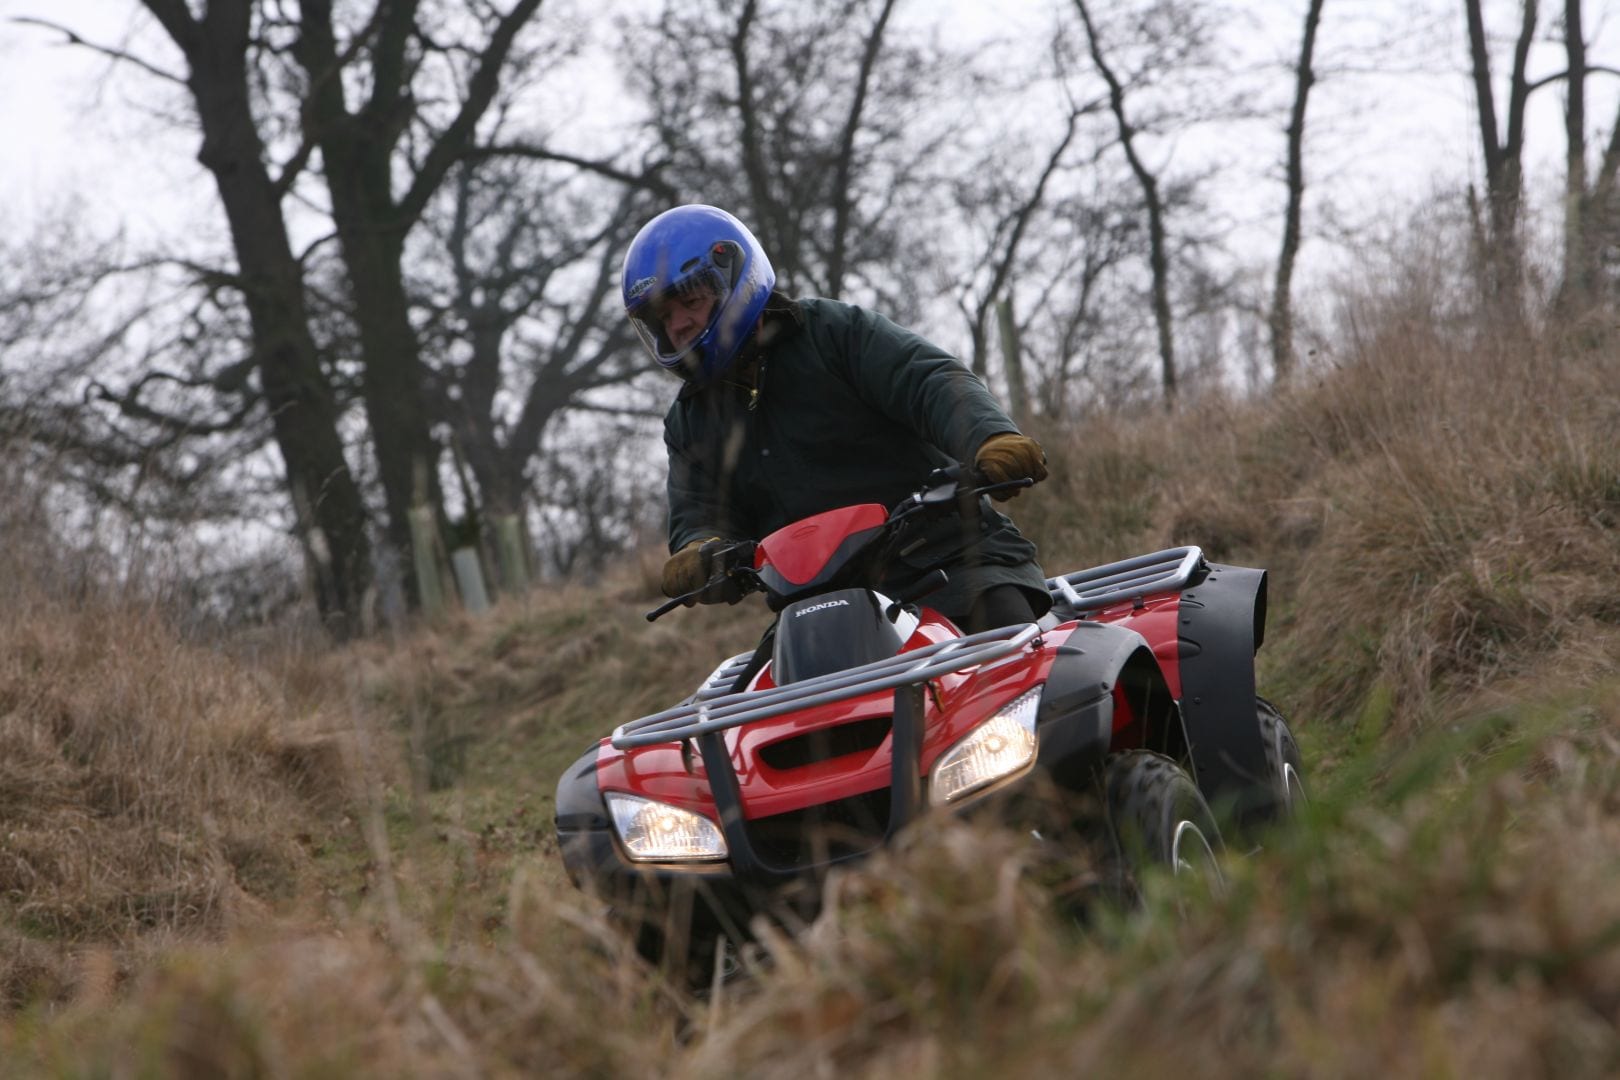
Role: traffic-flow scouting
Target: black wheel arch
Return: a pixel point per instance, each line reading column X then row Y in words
column 1221, row 626
column 1076, row 718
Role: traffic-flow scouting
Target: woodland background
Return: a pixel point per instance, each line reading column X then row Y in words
column 390, row 292
column 257, row 819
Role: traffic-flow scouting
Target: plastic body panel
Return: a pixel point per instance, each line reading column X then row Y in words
column 1098, row 682
column 1220, row 627
column 831, row 632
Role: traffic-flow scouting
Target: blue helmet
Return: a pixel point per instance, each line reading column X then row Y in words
column 696, row 251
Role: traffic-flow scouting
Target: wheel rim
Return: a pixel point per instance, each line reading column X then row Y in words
column 1293, row 788
column 1191, row 853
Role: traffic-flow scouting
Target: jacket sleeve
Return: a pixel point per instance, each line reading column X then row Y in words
column 696, row 505
column 918, row 385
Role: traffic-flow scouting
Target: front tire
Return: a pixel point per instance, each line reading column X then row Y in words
column 1159, row 818
column 1285, row 783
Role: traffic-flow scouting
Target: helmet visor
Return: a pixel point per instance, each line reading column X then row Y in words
column 673, row 322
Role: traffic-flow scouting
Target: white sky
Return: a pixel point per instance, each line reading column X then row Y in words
column 70, row 129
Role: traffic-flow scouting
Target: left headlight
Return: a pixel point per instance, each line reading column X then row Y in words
column 997, row 748
column 657, row 832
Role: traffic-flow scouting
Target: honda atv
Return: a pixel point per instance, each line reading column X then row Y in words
column 858, row 712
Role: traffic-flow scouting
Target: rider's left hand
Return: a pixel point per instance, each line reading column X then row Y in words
column 1010, row 456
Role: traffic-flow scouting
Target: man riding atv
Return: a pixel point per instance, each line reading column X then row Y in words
column 837, row 464
column 793, row 407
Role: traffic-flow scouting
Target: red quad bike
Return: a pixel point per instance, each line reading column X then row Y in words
column 857, row 712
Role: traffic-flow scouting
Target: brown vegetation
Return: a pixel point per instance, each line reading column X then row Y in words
column 212, row 861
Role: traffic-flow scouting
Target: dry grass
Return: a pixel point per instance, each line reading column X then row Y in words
column 1472, row 936
column 213, row 861
column 1438, row 512
column 151, row 791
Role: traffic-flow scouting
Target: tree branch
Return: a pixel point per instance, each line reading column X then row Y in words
column 1281, row 317
column 175, row 427
column 846, row 153
column 74, row 38
column 1157, row 257
column 647, row 180
column 448, row 147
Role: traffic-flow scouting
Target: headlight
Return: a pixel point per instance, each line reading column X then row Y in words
column 657, row 832
column 999, row 747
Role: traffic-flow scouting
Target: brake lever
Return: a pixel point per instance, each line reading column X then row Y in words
column 668, row 606
column 746, row 578
column 1006, row 485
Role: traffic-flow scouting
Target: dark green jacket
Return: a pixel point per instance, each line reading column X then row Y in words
column 842, row 406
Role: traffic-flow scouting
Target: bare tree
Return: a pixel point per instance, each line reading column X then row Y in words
column 373, row 105
column 1080, row 335
column 96, row 382
column 600, row 489
column 1591, row 197
column 269, row 278
column 364, row 149
column 1014, row 209
column 532, row 324
column 1153, row 205
column 1281, row 318
column 807, row 122
column 1498, row 235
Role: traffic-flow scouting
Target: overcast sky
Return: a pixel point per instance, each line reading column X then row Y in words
column 74, row 130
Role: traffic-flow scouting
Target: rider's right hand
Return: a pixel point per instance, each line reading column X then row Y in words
column 693, row 567
column 684, row 572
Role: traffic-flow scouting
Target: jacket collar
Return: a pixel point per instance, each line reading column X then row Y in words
column 782, row 318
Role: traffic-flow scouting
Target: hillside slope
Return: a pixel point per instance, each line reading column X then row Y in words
column 247, row 859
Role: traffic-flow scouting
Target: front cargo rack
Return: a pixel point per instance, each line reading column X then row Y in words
column 1128, row 579
column 720, row 680
column 709, row 714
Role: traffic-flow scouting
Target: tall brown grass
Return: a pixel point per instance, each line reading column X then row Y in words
column 151, row 791
column 1438, row 510
column 1440, row 936
column 213, row 863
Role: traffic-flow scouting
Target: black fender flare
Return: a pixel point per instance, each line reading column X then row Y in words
column 581, row 813
column 1220, row 627
column 1076, row 717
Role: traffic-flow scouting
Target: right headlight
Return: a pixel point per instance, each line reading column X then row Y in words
column 657, row 832
column 997, row 748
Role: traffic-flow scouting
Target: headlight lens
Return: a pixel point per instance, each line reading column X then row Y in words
column 997, row 748
column 657, row 832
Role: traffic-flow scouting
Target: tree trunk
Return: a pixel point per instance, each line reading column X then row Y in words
column 394, row 374
column 1282, row 299
column 1158, row 253
column 358, row 166
column 360, row 153
column 1503, row 155
column 1012, row 358
column 304, row 413
column 1575, row 294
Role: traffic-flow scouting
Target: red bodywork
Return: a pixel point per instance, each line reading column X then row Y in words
column 803, row 551
column 673, row 773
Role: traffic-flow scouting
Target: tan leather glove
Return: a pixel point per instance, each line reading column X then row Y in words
column 1010, row 456
column 685, row 572
column 698, row 565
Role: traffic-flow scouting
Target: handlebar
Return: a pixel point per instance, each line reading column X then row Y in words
column 733, row 572
column 961, row 486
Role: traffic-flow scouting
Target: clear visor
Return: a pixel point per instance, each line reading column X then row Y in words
column 666, row 321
